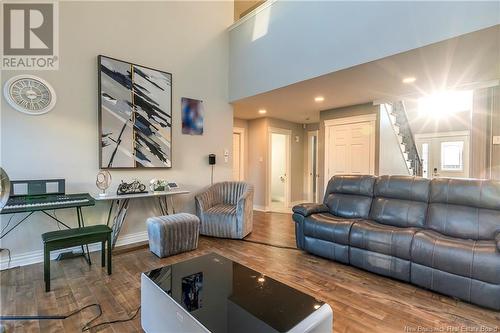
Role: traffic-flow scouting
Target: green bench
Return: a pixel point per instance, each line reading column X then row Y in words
column 61, row 239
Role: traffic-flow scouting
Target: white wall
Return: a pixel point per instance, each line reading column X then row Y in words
column 188, row 39
column 291, row 41
column 391, row 160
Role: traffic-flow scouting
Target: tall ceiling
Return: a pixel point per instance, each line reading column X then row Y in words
column 458, row 62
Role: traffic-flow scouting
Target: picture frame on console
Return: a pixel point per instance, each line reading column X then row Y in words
column 135, row 115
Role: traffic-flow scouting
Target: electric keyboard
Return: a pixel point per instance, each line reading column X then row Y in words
column 20, row 204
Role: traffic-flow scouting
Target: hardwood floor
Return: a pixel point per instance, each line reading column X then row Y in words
column 361, row 301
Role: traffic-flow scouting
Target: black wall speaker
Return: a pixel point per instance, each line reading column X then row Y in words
column 211, row 159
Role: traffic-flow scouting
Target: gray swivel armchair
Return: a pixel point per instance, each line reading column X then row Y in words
column 226, row 210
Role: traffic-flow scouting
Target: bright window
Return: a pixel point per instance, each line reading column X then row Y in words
column 445, row 103
column 452, row 156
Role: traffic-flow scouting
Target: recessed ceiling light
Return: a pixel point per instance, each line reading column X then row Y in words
column 262, row 111
column 410, row 79
column 318, row 99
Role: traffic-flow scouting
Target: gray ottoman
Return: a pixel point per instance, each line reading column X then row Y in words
column 171, row 234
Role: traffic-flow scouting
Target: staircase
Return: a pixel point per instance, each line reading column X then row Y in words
column 399, row 120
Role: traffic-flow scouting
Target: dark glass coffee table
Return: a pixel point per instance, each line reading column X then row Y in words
column 211, row 293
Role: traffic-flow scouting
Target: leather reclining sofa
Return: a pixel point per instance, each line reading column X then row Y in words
column 442, row 235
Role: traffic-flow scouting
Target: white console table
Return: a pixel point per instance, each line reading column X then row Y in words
column 122, row 202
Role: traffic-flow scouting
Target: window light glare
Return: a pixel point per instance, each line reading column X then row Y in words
column 410, row 79
column 262, row 111
column 444, row 103
column 319, row 99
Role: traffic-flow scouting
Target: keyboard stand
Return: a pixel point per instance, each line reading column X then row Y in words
column 81, row 223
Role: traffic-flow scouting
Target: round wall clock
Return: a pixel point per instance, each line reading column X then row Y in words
column 29, row 94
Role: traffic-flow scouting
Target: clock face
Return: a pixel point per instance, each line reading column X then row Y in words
column 29, row 94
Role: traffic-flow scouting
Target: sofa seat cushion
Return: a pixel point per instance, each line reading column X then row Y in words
column 373, row 236
column 328, row 227
column 221, row 209
column 473, row 259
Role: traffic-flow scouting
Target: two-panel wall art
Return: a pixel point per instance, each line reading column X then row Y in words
column 135, row 115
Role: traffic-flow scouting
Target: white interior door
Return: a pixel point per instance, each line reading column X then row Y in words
column 312, row 166
column 349, row 147
column 444, row 154
column 279, row 170
column 236, row 156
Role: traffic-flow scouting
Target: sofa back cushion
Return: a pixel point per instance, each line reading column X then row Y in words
column 465, row 208
column 350, row 196
column 400, row 201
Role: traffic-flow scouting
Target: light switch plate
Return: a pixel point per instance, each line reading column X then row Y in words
column 496, row 140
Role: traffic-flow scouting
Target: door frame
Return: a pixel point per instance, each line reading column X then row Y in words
column 370, row 118
column 434, row 135
column 310, row 194
column 241, row 132
column 288, row 161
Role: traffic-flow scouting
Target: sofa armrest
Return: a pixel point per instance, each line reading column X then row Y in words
column 307, row 209
column 497, row 240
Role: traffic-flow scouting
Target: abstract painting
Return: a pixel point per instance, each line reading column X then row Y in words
column 192, row 116
column 135, row 115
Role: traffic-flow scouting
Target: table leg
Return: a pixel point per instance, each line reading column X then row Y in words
column 163, row 206
column 172, row 203
column 165, row 201
column 119, row 219
column 110, row 211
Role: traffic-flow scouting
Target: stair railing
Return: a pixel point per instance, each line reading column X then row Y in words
column 399, row 112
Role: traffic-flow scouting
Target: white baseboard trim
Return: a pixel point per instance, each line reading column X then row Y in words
column 260, row 208
column 34, row 257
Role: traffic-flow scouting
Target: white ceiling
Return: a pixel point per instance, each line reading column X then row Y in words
column 460, row 61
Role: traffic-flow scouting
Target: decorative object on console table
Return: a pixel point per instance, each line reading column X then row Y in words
column 134, row 187
column 192, row 116
column 103, row 181
column 156, row 185
column 30, row 94
column 135, row 115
